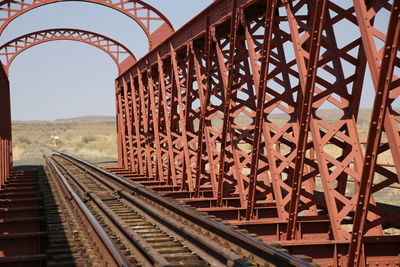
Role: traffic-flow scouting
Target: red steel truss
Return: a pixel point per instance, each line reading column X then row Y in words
column 156, row 26
column 121, row 55
column 5, row 128
column 250, row 112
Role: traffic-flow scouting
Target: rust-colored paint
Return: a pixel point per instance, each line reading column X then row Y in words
column 118, row 52
column 238, row 64
column 5, row 128
column 238, row 68
column 145, row 15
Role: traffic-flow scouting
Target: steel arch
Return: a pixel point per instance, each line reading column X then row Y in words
column 144, row 14
column 121, row 55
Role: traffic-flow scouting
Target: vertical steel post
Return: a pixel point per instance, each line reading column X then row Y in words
column 186, row 154
column 145, row 118
column 269, row 23
column 163, row 101
column 121, row 124
column 5, row 127
column 203, row 107
column 227, row 100
column 128, row 126
column 137, row 123
column 156, row 129
column 380, row 107
column 305, row 113
column 368, row 34
column 119, row 127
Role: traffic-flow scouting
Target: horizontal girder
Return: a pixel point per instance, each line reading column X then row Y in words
column 258, row 101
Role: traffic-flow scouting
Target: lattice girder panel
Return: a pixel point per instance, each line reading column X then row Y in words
column 151, row 109
column 159, row 124
column 139, row 140
column 314, row 58
column 168, row 111
column 374, row 35
column 279, row 136
column 130, row 141
column 135, row 143
column 145, row 127
column 194, row 96
column 336, row 142
column 234, row 140
column 121, row 124
column 383, row 180
column 124, row 132
column 210, row 86
column 181, row 66
column 127, row 133
column 141, row 127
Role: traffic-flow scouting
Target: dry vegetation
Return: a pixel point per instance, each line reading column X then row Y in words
column 91, row 137
column 95, row 138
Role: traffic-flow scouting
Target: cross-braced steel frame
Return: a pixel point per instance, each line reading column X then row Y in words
column 120, row 54
column 250, row 112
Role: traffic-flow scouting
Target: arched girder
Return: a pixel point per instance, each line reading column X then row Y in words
column 121, row 55
column 144, row 14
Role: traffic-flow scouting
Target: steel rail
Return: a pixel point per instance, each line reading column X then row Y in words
column 115, row 253
column 143, row 252
column 206, row 249
column 255, row 247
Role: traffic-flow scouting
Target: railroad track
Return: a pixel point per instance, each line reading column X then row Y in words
column 143, row 228
column 83, row 232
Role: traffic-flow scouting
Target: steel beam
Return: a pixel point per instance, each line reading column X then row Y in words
column 245, row 97
column 145, row 125
column 136, row 120
column 259, row 119
column 384, row 85
column 167, row 123
column 187, row 178
column 5, row 128
column 318, row 19
column 228, row 90
column 119, row 128
column 155, row 123
column 203, row 107
column 126, row 102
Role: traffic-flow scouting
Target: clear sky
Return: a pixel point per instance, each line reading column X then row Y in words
column 63, row 79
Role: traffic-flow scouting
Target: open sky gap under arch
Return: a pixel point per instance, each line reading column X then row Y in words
column 56, row 69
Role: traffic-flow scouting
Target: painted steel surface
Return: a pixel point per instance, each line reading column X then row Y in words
column 5, row 128
column 227, row 113
column 120, row 54
column 198, row 114
column 155, row 25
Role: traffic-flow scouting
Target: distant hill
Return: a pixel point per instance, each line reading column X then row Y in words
column 89, row 118
column 83, row 119
column 326, row 114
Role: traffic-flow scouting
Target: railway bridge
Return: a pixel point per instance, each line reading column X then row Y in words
column 249, row 112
